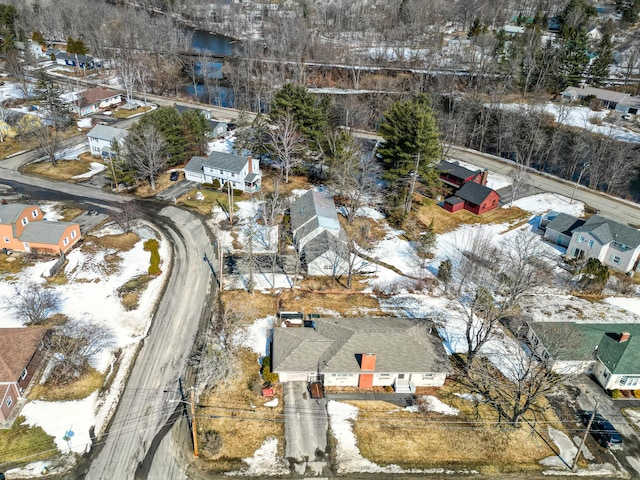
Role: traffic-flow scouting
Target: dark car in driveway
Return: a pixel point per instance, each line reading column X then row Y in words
column 173, row 176
column 601, row 429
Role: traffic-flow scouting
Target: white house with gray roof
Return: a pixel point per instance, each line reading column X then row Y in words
column 614, row 244
column 101, row 138
column 362, row 352
column 318, row 236
column 243, row 173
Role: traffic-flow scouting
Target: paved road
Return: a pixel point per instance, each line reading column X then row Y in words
column 152, row 389
column 305, row 430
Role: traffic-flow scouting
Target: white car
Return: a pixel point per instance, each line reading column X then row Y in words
column 627, row 116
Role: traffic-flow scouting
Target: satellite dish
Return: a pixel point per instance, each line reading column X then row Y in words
column 70, row 433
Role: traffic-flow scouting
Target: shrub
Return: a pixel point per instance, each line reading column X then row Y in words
column 266, row 372
column 616, row 394
column 636, row 393
column 151, row 245
column 388, row 388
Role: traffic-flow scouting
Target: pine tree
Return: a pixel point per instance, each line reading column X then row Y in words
column 168, row 121
column 599, row 69
column 411, row 147
column 196, row 131
column 574, row 58
column 49, row 96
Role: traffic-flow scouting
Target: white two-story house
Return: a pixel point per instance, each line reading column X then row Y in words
column 101, row 138
column 614, row 244
column 243, row 173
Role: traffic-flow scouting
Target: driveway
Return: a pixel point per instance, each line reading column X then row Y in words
column 611, row 409
column 305, row 430
column 176, row 190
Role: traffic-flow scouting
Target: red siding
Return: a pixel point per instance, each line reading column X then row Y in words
column 453, row 207
column 11, row 391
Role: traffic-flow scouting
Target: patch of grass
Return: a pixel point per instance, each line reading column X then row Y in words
column 59, row 279
column 124, row 113
column 122, row 242
column 446, row 222
column 14, row 263
column 387, row 434
column 211, row 199
column 241, row 429
column 25, row 444
column 366, row 230
column 88, row 383
column 64, row 170
column 12, row 146
column 295, row 183
column 68, row 213
column 259, row 304
column 131, row 291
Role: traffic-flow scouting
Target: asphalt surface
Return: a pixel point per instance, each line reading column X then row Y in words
column 305, row 430
column 152, row 390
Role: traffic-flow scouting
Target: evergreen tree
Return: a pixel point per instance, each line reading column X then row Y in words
column 196, row 131
column 49, row 96
column 411, row 147
column 76, row 46
column 255, row 138
column 599, row 69
column 630, row 9
column 445, row 271
column 574, row 59
column 168, row 121
column 309, row 113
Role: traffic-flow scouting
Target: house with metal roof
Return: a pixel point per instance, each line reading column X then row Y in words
column 614, row 244
column 242, row 173
column 23, row 228
column 317, row 234
column 361, row 352
column 101, row 138
column 22, row 353
column 473, row 197
column 608, row 351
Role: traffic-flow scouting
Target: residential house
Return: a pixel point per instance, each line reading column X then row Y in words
column 94, row 100
column 610, row 352
column 455, row 175
column 23, row 228
column 317, row 234
column 361, row 352
column 218, row 127
column 614, row 244
column 243, row 173
column 621, row 102
column 101, row 138
column 182, row 109
column 473, row 197
column 560, row 228
column 22, row 352
column 71, row 59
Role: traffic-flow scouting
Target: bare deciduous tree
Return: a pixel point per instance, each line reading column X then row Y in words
column 287, row 144
column 128, row 216
column 73, row 344
column 49, row 140
column 32, row 302
column 145, row 150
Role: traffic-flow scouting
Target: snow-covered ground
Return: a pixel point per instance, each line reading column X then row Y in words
column 95, row 168
column 264, row 462
column 88, row 278
column 581, row 117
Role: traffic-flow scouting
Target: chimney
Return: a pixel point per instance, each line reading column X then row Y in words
column 368, row 362
column 483, row 177
column 250, row 164
column 624, row 337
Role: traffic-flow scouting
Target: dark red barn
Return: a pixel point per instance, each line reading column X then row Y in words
column 473, row 197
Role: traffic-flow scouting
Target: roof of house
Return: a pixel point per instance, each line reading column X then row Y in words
column 455, row 169
column 400, row 345
column 18, row 346
column 10, row 213
column 216, row 123
column 621, row 357
column 606, row 230
column 183, row 108
column 573, row 341
column 315, row 206
column 453, row 200
column 96, row 95
column 217, row 160
column 104, row 132
column 44, row 232
column 323, row 243
column 474, row 193
column 251, row 177
column 564, row 223
column 599, row 93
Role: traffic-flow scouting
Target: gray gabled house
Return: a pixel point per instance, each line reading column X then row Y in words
column 101, row 139
column 317, row 234
column 362, row 352
column 560, row 229
column 243, row 173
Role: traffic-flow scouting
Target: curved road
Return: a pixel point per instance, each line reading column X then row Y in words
column 152, row 393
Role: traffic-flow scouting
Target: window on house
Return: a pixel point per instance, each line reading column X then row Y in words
column 580, row 239
column 73, row 234
column 384, row 375
column 606, row 374
column 327, row 267
column 65, row 241
column 9, row 401
column 615, row 259
column 221, row 172
column 591, row 243
column 25, row 221
column 24, row 374
column 427, row 376
column 34, row 214
column 6, row 240
column 401, row 376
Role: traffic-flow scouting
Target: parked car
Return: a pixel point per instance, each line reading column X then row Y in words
column 601, row 429
column 174, row 176
column 627, row 116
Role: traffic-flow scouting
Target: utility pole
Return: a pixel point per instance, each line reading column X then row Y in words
column 584, row 437
column 193, row 423
column 584, row 169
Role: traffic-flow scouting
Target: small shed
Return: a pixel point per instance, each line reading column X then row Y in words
column 453, row 204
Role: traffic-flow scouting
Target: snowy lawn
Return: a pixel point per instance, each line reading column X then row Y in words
column 91, row 275
column 95, row 168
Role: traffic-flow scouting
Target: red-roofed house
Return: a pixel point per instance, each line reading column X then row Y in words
column 94, row 100
column 22, row 352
